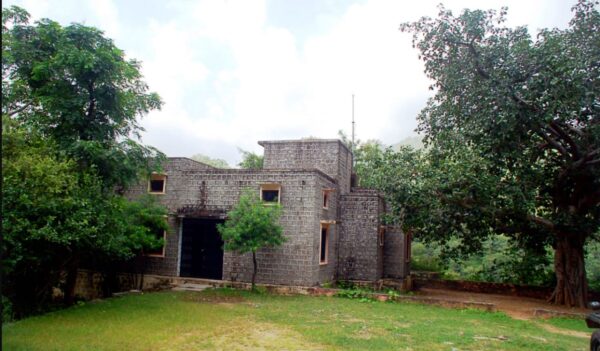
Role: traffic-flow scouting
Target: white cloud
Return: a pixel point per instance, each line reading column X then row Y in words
column 229, row 78
column 107, row 16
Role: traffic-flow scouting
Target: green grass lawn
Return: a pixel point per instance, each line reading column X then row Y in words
column 239, row 320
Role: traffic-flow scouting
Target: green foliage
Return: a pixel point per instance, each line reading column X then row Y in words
column 73, row 85
column 7, row 311
column 426, row 257
column 502, row 262
column 592, row 265
column 515, row 122
column 252, row 225
column 250, row 160
column 404, row 177
column 352, row 145
column 499, row 262
column 362, row 295
column 53, row 214
column 69, row 105
column 215, row 162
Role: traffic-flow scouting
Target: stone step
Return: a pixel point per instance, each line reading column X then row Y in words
column 190, row 287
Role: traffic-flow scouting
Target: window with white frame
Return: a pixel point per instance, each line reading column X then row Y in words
column 157, row 183
column 270, row 193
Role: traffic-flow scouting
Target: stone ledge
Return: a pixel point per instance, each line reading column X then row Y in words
column 544, row 313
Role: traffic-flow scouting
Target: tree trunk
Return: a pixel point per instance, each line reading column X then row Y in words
column 254, row 271
column 571, row 282
column 71, row 280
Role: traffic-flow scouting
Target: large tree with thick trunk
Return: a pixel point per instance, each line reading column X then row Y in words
column 529, row 109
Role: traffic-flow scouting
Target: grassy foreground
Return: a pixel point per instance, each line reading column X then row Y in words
column 237, row 320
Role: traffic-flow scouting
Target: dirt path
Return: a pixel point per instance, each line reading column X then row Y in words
column 514, row 306
column 556, row 330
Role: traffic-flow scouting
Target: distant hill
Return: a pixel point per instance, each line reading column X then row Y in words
column 415, row 141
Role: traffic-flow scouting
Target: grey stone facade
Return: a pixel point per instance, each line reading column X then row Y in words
column 361, row 250
column 304, row 170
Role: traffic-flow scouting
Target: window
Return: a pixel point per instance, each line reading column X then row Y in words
column 381, row 236
column 326, row 197
column 269, row 193
column 157, row 183
column 160, row 251
column 324, row 244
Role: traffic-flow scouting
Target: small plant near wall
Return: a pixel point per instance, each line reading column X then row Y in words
column 251, row 225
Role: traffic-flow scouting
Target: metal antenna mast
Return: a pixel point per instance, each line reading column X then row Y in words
column 353, row 121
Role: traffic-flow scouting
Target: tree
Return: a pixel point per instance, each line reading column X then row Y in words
column 54, row 217
column 352, row 145
column 75, row 86
column 527, row 111
column 252, row 225
column 69, row 106
column 406, row 180
column 215, row 162
column 250, row 160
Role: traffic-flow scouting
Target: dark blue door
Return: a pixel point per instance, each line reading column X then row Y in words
column 201, row 249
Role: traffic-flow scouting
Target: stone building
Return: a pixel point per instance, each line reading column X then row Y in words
column 333, row 230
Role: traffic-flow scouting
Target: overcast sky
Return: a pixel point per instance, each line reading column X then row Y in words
column 234, row 72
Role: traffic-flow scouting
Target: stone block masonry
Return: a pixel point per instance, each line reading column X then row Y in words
column 360, row 252
column 394, row 256
column 330, row 156
column 303, row 170
column 213, row 192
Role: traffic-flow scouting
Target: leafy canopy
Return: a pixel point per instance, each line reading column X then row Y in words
column 251, row 225
column 250, row 160
column 524, row 113
column 75, row 86
column 70, row 102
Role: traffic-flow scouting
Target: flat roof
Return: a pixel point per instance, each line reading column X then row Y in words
column 299, row 141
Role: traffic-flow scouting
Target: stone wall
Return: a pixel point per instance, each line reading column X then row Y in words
column 360, row 253
column 395, row 265
column 200, row 193
column 330, row 156
column 303, row 169
column 326, row 272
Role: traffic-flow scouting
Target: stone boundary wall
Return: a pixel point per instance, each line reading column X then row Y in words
column 156, row 282
column 395, row 265
column 536, row 292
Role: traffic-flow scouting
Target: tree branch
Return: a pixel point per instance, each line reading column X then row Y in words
column 554, row 143
column 574, row 129
column 566, row 137
column 587, row 159
column 541, row 221
column 19, row 110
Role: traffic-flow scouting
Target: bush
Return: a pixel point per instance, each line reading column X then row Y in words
column 592, row 265
column 500, row 261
